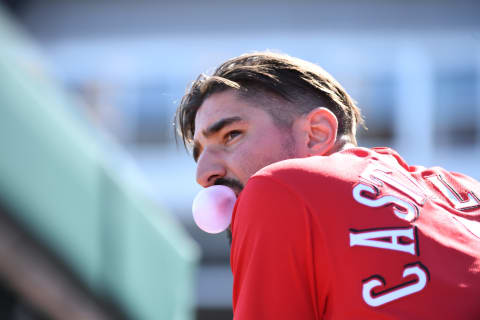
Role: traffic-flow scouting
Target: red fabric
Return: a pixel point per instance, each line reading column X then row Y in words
column 292, row 255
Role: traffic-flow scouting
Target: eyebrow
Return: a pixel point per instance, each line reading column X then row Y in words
column 211, row 130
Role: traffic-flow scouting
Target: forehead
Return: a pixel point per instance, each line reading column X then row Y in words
column 222, row 105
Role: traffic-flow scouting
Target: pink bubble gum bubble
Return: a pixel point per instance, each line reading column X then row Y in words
column 213, row 207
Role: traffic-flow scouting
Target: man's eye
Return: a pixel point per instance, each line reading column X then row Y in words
column 231, row 135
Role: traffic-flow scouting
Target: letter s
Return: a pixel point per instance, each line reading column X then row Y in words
column 411, row 211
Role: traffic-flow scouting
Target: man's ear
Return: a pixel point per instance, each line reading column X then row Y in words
column 321, row 125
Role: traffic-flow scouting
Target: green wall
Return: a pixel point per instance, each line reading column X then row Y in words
column 78, row 195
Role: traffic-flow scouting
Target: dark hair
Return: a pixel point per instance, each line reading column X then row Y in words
column 278, row 81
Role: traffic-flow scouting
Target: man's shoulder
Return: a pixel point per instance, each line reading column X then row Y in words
column 340, row 166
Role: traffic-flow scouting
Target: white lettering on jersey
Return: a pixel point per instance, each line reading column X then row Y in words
column 388, row 295
column 409, row 212
column 458, row 203
column 471, row 225
column 452, row 196
column 378, row 175
column 367, row 239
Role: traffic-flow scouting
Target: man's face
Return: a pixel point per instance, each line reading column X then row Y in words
column 233, row 139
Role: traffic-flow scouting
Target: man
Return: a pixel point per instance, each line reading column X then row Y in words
column 323, row 229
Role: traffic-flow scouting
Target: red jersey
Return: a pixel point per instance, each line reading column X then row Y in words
column 358, row 234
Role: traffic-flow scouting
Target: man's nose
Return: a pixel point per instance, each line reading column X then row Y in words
column 209, row 169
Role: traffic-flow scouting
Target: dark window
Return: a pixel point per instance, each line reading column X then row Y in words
column 456, row 112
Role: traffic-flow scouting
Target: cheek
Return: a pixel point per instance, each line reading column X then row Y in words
column 244, row 164
column 254, row 156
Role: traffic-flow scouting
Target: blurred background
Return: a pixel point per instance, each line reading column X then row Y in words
column 95, row 194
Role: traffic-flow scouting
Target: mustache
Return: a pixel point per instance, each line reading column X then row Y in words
column 231, row 183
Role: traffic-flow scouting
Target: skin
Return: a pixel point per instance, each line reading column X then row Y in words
column 234, row 138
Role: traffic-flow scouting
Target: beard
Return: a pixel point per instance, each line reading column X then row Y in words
column 228, row 233
column 289, row 152
column 237, row 187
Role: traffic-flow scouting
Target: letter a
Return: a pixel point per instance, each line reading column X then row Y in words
column 367, row 239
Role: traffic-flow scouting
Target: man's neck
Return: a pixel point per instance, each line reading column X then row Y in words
column 343, row 143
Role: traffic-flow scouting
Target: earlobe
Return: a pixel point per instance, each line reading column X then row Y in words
column 322, row 127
